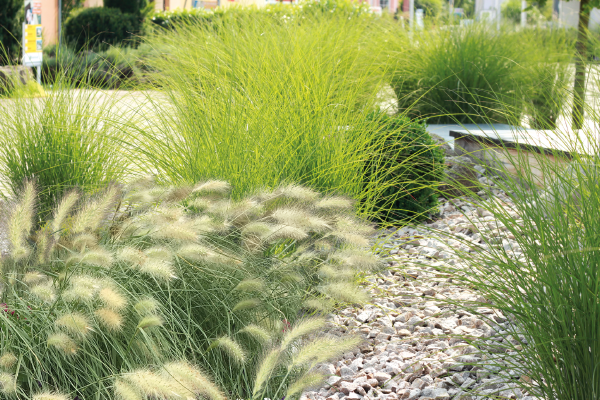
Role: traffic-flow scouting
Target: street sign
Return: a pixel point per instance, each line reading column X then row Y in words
column 32, row 34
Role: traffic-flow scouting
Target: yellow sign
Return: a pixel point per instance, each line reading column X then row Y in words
column 33, row 39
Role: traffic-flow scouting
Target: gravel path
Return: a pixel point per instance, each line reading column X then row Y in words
column 416, row 345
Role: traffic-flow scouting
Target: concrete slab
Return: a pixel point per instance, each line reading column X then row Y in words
column 443, row 130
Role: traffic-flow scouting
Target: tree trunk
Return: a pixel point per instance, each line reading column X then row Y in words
column 580, row 62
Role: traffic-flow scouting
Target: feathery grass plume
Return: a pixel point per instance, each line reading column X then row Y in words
column 110, row 319
column 33, row 277
column 62, row 342
column 143, row 198
column 323, row 349
column 75, row 323
column 83, row 288
column 193, row 252
column 250, row 285
column 125, row 391
column 84, row 240
column 358, row 259
column 265, row 370
column 8, row 383
column 260, row 229
column 20, row 221
column 244, row 211
column 286, row 232
column 193, row 379
column 257, row 332
column 43, row 244
column 150, row 322
column 306, row 381
column 200, row 204
column 158, row 269
column 182, row 231
column 203, row 224
column 61, row 212
column 7, row 361
column 93, row 212
column 176, row 194
column 98, row 258
column 345, row 292
column 73, row 260
column 303, row 327
column 329, row 271
column 146, row 306
column 334, row 203
column 112, row 298
column 155, row 386
column 350, row 238
column 44, row 292
column 132, row 256
column 299, row 219
column 159, row 253
column 246, row 305
column 232, row 349
column 166, row 214
column 298, row 193
column 212, row 187
column 347, row 224
column 50, row 396
column 320, row 304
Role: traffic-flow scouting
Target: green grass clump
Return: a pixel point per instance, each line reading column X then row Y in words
column 181, row 290
column 476, row 74
column 63, row 140
column 274, row 102
column 548, row 283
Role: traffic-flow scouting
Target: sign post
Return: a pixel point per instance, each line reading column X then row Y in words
column 32, row 36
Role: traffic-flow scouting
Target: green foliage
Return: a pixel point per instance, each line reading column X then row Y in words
column 99, row 28
column 10, row 29
column 511, row 10
column 125, row 6
column 432, row 8
column 63, row 140
column 153, row 277
column 412, row 161
column 472, row 74
column 68, row 6
column 267, row 104
column 310, row 8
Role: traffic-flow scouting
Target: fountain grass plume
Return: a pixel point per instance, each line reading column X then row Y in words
column 93, row 212
column 146, row 306
column 44, row 292
column 246, row 304
column 161, row 271
column 257, row 332
column 125, row 391
column 8, row 361
column 306, row 381
column 150, row 321
column 97, row 258
column 234, row 351
column 250, row 285
column 192, row 378
column 62, row 211
column 20, row 221
column 302, row 328
column 109, row 318
column 112, row 298
column 74, row 323
column 62, row 342
column 50, row 396
column 265, row 370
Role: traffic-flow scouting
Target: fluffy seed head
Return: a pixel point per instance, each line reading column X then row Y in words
column 98, row 258
column 299, row 193
column 146, row 306
column 250, row 285
column 266, row 368
column 232, row 349
column 132, row 256
column 7, row 361
column 84, row 240
column 112, row 298
column 62, row 342
column 257, row 332
column 246, row 304
column 8, row 383
column 62, row 212
column 83, row 288
column 155, row 386
column 159, row 253
column 158, row 269
column 150, row 322
column 193, row 252
column 306, row 381
column 287, row 232
column 345, row 292
column 193, row 379
column 180, row 231
column 44, row 292
column 110, row 319
column 20, row 221
column 260, row 229
column 334, row 203
column 299, row 219
column 32, row 278
column 90, row 216
column 50, row 396
column 212, row 186
column 302, row 328
column 75, row 323
column 125, row 391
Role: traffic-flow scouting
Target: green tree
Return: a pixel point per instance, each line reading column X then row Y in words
column 9, row 28
column 126, row 6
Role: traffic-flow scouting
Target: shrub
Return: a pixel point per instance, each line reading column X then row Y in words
column 126, row 6
column 61, row 141
column 169, row 283
column 471, row 75
column 98, row 28
column 275, row 106
column 432, row 8
column 10, row 30
column 412, row 161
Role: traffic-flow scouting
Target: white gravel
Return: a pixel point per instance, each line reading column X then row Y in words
column 417, row 343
